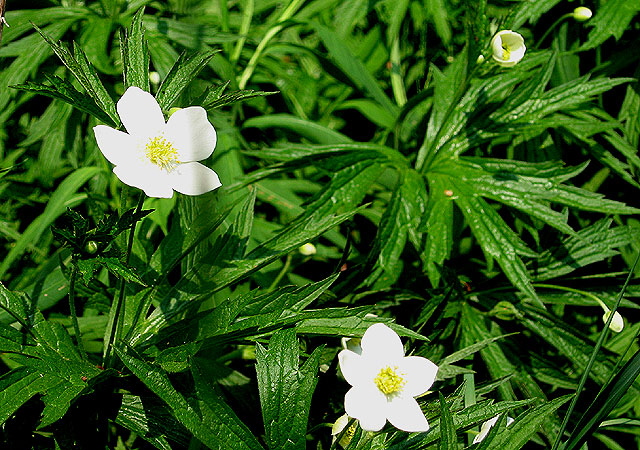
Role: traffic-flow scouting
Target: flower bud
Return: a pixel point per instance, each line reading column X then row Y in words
column 617, row 324
column 154, row 77
column 582, row 14
column 91, row 247
column 508, row 48
column 340, row 425
column 307, row 249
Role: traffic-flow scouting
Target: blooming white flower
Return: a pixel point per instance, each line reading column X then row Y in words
column 160, row 157
column 486, row 427
column 384, row 382
column 582, row 14
column 508, row 48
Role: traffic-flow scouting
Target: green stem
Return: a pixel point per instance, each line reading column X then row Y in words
column 555, row 24
column 253, row 62
column 118, row 308
column 592, row 359
column 283, row 272
column 72, row 309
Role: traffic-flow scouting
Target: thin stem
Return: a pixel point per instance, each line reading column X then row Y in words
column 555, row 24
column 283, row 272
column 592, row 359
column 253, row 62
column 72, row 309
column 118, row 309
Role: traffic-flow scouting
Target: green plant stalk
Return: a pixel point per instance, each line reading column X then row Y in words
column 247, row 16
column 397, row 83
column 72, row 310
column 281, row 274
column 551, row 28
column 118, row 309
column 253, row 62
column 592, row 359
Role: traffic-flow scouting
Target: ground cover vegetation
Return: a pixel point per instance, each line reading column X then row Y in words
column 319, row 224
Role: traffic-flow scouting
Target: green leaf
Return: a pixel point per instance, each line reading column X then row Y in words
column 611, row 19
column 80, row 67
column 448, row 438
column 181, row 74
column 285, row 390
column 208, row 425
column 215, row 98
column 516, row 435
column 607, row 399
column 64, row 196
column 135, row 54
column 316, row 133
column 354, row 68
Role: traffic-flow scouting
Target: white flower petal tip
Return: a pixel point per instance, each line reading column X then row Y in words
column 486, row 427
column 156, row 156
column 384, row 382
column 507, row 48
column 340, row 425
column 582, row 14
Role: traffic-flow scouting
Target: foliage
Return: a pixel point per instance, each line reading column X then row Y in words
column 482, row 212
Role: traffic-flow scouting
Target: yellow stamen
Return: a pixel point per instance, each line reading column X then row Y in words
column 162, row 153
column 506, row 52
column 389, row 380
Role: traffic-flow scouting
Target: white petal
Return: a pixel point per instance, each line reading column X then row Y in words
column 193, row 179
column 140, row 113
column 191, row 133
column 368, row 406
column 420, row 373
column 382, row 343
column 116, row 146
column 405, row 414
column 356, row 369
column 153, row 181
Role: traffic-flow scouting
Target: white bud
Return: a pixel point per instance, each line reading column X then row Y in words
column 582, row 14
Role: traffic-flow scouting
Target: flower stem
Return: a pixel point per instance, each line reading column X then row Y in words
column 117, row 310
column 555, row 24
column 72, row 310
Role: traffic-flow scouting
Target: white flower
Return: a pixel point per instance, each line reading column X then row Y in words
column 486, row 427
column 384, row 382
column 508, row 48
column 582, row 14
column 160, row 157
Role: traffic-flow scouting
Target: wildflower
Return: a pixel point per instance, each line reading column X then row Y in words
column 582, row 14
column 159, row 157
column 340, row 425
column 508, row 48
column 384, row 382
column 486, row 427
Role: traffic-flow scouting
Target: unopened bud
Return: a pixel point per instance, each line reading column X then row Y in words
column 307, row 249
column 582, row 14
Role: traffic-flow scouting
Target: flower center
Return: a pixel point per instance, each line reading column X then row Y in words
column 161, row 152
column 506, row 51
column 389, row 380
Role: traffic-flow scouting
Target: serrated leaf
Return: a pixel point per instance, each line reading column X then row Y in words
column 285, row 390
column 181, row 74
column 215, row 100
column 213, row 430
column 80, row 67
column 448, row 438
column 135, row 54
column 611, row 19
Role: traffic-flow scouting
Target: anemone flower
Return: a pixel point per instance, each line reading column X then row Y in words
column 157, row 156
column 508, row 48
column 384, row 382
